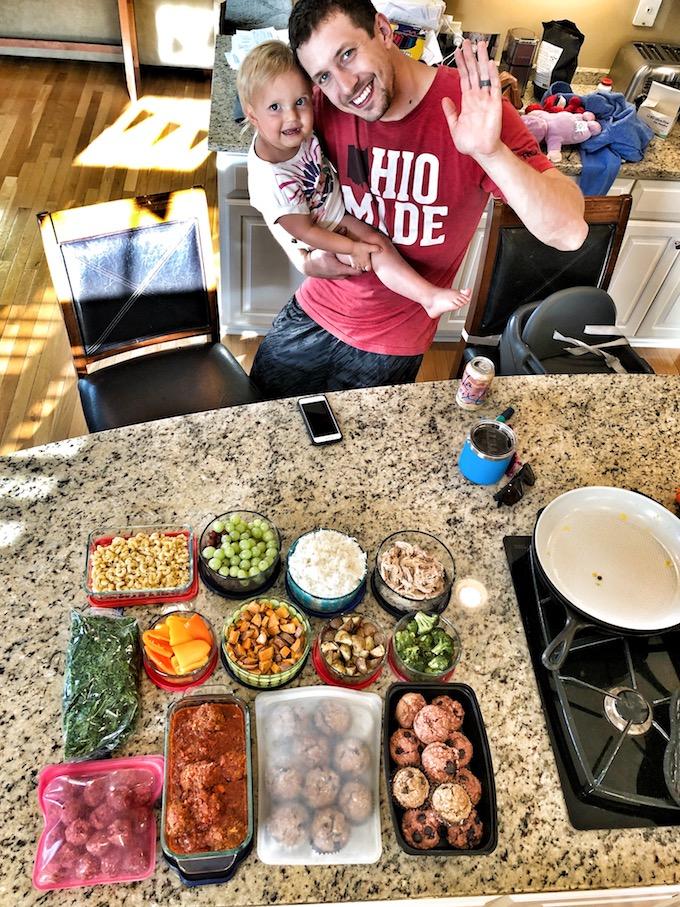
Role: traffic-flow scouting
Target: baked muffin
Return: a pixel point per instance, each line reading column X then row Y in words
column 440, row 762
column 285, row 783
column 408, row 707
column 452, row 803
column 405, row 748
column 471, row 783
column 289, row 824
column 460, row 743
column 454, row 708
column 321, row 787
column 432, row 724
column 468, row 834
column 333, row 718
column 352, row 756
column 410, row 787
column 312, row 750
column 356, row 801
column 421, row 828
column 330, row 830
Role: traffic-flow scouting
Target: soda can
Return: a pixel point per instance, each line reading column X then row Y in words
column 475, row 383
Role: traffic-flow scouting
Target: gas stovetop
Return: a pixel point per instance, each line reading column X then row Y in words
column 607, row 709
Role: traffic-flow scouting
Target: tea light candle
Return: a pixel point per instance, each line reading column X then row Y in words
column 470, row 593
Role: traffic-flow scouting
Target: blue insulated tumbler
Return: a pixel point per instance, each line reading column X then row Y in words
column 487, row 452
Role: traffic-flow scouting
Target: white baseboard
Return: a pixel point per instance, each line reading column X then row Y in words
column 656, row 343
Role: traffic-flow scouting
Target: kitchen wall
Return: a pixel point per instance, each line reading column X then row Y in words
column 180, row 32
column 607, row 24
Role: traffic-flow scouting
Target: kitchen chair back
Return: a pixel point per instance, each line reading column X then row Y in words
column 130, row 275
column 517, row 269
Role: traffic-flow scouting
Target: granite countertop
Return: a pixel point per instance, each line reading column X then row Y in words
column 661, row 161
column 396, row 468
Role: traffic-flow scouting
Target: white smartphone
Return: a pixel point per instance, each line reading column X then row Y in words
column 319, row 419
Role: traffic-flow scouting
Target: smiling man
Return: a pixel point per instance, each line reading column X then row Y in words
column 418, row 150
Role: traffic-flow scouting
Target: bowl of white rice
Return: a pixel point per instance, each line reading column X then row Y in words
column 326, row 571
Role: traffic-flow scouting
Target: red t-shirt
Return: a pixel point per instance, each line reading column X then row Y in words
column 407, row 178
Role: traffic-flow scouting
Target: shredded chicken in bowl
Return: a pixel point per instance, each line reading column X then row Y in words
column 411, row 571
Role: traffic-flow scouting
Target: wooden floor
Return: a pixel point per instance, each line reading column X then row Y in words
column 69, row 136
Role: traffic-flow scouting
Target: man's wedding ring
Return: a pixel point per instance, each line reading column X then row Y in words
column 485, row 83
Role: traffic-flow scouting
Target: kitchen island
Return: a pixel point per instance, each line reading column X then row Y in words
column 396, row 468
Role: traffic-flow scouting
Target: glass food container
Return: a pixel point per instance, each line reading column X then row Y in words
column 317, row 605
column 405, row 672
column 329, row 662
column 148, row 595
column 398, row 603
column 250, row 583
column 266, row 681
column 166, row 680
column 211, row 862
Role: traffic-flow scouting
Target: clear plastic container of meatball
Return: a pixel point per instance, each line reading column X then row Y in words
column 100, row 825
column 318, row 775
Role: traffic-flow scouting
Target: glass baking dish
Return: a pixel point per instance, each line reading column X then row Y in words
column 104, row 537
column 197, row 864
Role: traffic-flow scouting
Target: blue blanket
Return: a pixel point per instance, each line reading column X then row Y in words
column 624, row 137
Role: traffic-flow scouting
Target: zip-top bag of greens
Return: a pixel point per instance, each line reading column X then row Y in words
column 100, row 686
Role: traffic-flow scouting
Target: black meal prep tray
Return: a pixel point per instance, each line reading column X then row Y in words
column 480, row 765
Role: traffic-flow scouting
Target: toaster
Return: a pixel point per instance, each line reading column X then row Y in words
column 639, row 63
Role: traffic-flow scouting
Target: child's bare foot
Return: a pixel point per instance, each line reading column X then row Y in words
column 442, row 301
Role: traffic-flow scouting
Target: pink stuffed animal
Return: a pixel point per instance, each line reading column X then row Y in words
column 557, row 129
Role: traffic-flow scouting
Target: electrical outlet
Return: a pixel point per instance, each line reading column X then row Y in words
column 646, row 12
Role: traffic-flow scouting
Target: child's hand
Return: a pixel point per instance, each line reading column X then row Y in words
column 360, row 256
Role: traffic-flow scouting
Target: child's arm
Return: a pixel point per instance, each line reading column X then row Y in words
column 302, row 227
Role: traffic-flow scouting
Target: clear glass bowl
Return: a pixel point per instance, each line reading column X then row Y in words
column 104, row 537
column 356, row 679
column 211, row 861
column 398, row 602
column 401, row 669
column 267, row 681
column 232, row 585
column 180, row 680
column 324, row 607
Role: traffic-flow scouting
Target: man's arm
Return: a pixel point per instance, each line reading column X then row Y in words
column 550, row 204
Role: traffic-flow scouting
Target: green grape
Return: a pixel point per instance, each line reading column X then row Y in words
column 268, row 561
column 242, row 574
column 257, row 532
column 271, row 552
column 260, row 548
column 233, row 571
column 268, row 536
column 223, row 571
column 246, row 556
column 208, row 552
column 218, row 526
column 214, row 564
column 219, row 554
column 229, row 550
column 254, row 571
column 235, row 560
column 263, row 565
column 244, row 544
column 234, row 535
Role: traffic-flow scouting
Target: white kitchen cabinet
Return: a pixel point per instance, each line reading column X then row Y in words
column 646, row 282
column 646, row 258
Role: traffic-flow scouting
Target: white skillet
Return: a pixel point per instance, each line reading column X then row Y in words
column 613, row 556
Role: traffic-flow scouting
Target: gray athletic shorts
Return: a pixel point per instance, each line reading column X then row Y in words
column 299, row 357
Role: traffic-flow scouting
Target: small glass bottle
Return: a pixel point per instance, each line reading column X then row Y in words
column 604, row 85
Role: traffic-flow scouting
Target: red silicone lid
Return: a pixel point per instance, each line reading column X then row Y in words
column 323, row 672
column 60, row 863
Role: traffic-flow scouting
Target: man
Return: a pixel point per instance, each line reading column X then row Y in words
column 417, row 150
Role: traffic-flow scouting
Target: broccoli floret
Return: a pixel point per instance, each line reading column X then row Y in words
column 404, row 638
column 412, row 627
column 426, row 622
column 443, row 643
column 413, row 658
column 438, row 664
